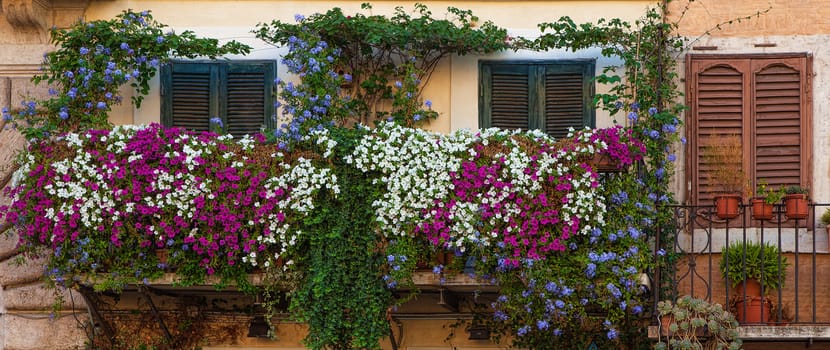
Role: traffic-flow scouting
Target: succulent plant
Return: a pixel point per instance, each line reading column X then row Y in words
column 691, row 323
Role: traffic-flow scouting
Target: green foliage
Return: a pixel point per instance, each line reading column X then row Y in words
column 752, row 260
column 94, row 59
column 696, row 324
column 769, row 195
column 825, row 217
column 389, row 58
column 341, row 295
column 796, row 189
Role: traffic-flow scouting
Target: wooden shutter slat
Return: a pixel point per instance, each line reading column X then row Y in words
column 777, row 110
column 564, row 105
column 191, row 99
column 719, row 105
column 510, row 103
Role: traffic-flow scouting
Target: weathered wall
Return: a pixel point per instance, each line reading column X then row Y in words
column 757, row 17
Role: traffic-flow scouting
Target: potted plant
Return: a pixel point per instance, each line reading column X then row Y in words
column 754, row 269
column 795, row 202
column 764, row 201
column 724, row 157
column 692, row 323
column 825, row 219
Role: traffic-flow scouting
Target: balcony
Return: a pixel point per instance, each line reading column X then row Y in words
column 799, row 309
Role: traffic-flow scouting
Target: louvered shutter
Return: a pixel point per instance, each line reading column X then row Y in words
column 552, row 97
column 506, row 92
column 719, row 92
column 764, row 100
column 239, row 93
column 567, row 98
column 248, row 94
column 777, row 121
column 187, row 90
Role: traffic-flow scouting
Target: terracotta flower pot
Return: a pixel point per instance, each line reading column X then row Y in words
column 796, row 206
column 761, row 210
column 756, row 310
column 727, row 206
column 748, row 288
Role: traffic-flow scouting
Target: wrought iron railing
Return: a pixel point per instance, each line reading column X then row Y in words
column 693, row 243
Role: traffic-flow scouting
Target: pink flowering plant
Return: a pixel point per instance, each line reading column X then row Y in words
column 103, row 201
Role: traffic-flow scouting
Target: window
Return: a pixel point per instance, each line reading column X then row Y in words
column 238, row 92
column 762, row 99
column 551, row 96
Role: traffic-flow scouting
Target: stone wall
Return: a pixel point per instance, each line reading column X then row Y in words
column 26, row 319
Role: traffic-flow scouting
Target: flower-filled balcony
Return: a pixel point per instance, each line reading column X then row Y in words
column 150, row 208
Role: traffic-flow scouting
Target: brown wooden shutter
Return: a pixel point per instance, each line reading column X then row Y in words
column 564, row 102
column 191, row 90
column 245, row 102
column 778, row 113
column 510, row 89
column 762, row 98
column 720, row 103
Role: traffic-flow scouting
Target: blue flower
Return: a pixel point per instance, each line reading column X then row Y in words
column 398, row 84
column 632, row 116
column 159, row 39
column 101, row 105
column 612, row 333
column 83, row 51
column 654, row 134
column 522, row 331
column 635, row 106
column 652, row 111
column 125, row 46
column 672, row 157
column 428, row 103
column 216, row 121
column 299, row 18
column 542, row 324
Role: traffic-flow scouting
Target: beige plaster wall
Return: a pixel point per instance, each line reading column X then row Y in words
column 454, row 86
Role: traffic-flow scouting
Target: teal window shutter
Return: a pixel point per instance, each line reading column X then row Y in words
column 237, row 92
column 551, row 96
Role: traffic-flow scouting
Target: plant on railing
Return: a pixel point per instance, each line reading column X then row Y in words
column 385, row 61
column 95, row 58
column 692, row 323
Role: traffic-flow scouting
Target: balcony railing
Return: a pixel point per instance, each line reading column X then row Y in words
column 697, row 236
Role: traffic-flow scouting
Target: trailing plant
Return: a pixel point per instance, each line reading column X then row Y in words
column 385, row 61
column 696, row 324
column 94, row 59
column 752, row 260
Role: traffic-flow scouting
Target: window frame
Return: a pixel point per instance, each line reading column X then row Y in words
column 537, row 69
column 218, row 86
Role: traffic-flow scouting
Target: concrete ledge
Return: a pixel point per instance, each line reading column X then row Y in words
column 39, row 297
column 769, row 333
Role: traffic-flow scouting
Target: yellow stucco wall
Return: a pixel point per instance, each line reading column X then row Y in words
column 453, row 88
